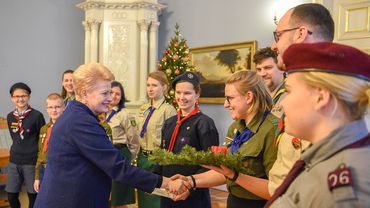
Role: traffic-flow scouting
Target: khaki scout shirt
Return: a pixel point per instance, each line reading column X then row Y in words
column 41, row 156
column 287, row 155
column 153, row 136
column 124, row 131
column 323, row 170
column 259, row 150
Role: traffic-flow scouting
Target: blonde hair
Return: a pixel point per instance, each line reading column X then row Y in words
column 160, row 77
column 86, row 75
column 351, row 92
column 54, row 96
column 246, row 81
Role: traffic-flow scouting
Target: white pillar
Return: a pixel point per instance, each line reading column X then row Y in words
column 143, row 25
column 87, row 40
column 95, row 25
column 153, row 44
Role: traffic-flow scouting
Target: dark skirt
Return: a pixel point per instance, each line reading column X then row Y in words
column 146, row 200
column 121, row 193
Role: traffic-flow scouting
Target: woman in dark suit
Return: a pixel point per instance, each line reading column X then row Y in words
column 81, row 160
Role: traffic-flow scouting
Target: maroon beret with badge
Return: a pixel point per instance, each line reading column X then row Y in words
column 327, row 57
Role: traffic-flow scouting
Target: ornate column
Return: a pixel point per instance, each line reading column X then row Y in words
column 87, row 40
column 94, row 49
column 121, row 39
column 143, row 24
column 153, row 46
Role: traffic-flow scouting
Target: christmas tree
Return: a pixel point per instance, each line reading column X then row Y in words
column 175, row 61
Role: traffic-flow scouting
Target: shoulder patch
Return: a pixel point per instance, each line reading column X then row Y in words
column 340, row 177
column 132, row 121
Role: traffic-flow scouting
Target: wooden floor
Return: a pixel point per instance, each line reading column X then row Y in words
column 218, row 198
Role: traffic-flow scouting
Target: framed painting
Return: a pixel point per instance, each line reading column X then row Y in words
column 215, row 63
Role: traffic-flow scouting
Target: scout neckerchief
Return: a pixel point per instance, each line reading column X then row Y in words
column 111, row 115
column 178, row 124
column 19, row 119
column 298, row 168
column 47, row 138
column 241, row 138
column 67, row 100
column 278, row 93
column 143, row 129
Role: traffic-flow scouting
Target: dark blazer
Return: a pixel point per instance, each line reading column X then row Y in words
column 82, row 162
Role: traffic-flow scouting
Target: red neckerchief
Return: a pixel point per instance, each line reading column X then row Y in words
column 46, row 143
column 178, row 124
column 20, row 118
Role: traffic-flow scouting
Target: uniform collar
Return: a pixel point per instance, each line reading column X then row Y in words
column 157, row 104
column 253, row 125
column 334, row 142
column 273, row 93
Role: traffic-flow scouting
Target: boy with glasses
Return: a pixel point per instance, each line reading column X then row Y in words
column 24, row 125
column 54, row 108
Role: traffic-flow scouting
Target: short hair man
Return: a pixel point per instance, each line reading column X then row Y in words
column 24, row 125
column 267, row 68
column 305, row 23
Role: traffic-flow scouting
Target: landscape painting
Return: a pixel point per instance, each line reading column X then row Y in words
column 215, row 63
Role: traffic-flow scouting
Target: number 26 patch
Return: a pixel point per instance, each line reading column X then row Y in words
column 340, row 177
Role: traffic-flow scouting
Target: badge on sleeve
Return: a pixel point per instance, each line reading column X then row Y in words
column 340, row 177
column 132, row 121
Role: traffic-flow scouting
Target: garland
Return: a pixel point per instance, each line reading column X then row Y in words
column 190, row 156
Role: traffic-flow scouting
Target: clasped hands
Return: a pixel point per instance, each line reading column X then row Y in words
column 179, row 185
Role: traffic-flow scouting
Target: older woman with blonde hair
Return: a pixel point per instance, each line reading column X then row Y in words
column 327, row 96
column 81, row 159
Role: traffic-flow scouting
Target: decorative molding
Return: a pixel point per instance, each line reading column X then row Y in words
column 353, row 20
column 118, row 51
column 137, row 5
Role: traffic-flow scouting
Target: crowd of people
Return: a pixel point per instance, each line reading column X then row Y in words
column 299, row 124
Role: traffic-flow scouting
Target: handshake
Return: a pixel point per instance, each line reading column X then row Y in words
column 177, row 187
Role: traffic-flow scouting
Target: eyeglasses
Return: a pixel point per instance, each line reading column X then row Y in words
column 17, row 97
column 230, row 98
column 277, row 34
column 57, row 107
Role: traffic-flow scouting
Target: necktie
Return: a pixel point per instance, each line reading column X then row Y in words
column 143, row 129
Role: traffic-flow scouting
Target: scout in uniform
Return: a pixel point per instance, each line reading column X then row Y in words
column 327, row 99
column 125, row 139
column 150, row 121
column 68, row 93
column 24, row 126
column 189, row 127
column 253, row 133
column 54, row 108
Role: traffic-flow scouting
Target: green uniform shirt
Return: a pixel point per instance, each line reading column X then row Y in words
column 259, row 150
column 41, row 156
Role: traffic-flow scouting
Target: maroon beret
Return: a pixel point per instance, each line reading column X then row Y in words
column 327, row 57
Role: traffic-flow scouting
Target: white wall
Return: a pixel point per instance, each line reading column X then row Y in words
column 39, row 40
column 216, row 22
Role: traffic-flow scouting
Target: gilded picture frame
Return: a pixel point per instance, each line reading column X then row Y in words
column 215, row 63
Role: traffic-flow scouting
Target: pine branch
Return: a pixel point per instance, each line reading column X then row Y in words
column 190, row 156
